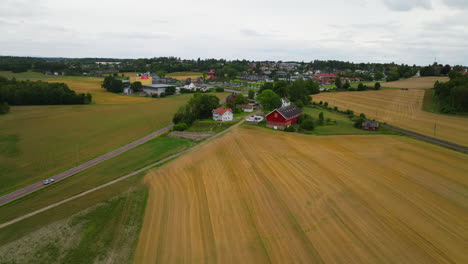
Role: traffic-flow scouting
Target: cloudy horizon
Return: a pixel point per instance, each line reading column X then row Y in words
column 400, row 31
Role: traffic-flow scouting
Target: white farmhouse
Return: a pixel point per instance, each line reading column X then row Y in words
column 190, row 86
column 285, row 102
column 222, row 114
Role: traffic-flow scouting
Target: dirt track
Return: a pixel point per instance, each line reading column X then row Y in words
column 259, row 196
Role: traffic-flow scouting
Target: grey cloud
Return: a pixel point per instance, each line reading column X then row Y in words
column 456, row 3
column 136, row 35
column 22, row 8
column 250, row 33
column 406, row 5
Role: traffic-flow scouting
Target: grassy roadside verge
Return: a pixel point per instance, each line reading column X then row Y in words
column 73, row 233
column 106, row 171
column 429, row 103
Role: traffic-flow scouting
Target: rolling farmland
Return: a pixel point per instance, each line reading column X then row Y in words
column 37, row 141
column 259, row 196
column 80, row 85
column 415, row 83
column 403, row 109
column 182, row 76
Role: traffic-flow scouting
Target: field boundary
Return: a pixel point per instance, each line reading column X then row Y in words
column 9, row 197
column 429, row 139
column 160, row 162
column 422, row 137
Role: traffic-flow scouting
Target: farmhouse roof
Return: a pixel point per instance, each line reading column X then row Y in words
column 222, row 110
column 288, row 112
column 157, row 86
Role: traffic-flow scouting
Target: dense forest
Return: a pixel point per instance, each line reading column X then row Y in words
column 452, row 96
column 15, row 92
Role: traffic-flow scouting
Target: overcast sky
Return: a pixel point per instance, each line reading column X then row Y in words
column 403, row 31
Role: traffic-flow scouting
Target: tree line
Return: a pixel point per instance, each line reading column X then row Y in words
column 297, row 92
column 13, row 92
column 452, row 96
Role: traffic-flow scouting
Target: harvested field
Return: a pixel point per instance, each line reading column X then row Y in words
column 100, row 95
column 81, row 85
column 260, row 196
column 403, row 109
column 182, row 76
column 415, row 83
column 197, row 136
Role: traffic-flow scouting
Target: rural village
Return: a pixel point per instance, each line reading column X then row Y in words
column 190, row 132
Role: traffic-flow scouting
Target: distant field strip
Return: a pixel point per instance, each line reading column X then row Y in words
column 415, row 83
column 260, row 196
column 402, row 109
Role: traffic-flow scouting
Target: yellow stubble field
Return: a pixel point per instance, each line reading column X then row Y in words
column 100, row 95
column 259, row 196
column 182, row 76
column 415, row 83
column 402, row 108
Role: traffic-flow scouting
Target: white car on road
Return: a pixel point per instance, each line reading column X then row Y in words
column 48, row 181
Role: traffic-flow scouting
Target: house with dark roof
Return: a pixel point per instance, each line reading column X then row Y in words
column 231, row 97
column 370, row 125
column 283, row 117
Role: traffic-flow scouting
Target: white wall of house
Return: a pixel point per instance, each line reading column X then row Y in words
column 284, row 103
column 227, row 116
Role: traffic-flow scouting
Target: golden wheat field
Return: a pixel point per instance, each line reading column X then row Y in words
column 182, row 76
column 415, row 83
column 100, row 95
column 260, row 196
column 402, row 108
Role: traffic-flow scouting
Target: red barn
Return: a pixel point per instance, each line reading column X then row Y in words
column 283, row 117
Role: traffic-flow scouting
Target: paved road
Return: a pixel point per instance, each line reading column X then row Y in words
column 70, row 172
column 12, row 221
column 428, row 138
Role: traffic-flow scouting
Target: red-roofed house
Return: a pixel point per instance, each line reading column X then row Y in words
column 222, row 114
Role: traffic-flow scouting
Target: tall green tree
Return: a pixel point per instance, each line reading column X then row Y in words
column 251, row 94
column 338, row 82
column 136, row 86
column 269, row 99
column 312, row 86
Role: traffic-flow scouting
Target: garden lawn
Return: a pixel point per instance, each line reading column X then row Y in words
column 343, row 126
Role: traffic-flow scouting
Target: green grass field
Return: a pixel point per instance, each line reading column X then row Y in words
column 343, row 126
column 106, row 233
column 43, row 140
column 39, row 141
column 99, row 174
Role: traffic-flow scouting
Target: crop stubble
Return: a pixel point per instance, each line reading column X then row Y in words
column 256, row 197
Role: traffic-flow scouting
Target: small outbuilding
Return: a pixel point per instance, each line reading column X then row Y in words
column 370, row 125
column 222, row 114
column 247, row 107
column 283, row 117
